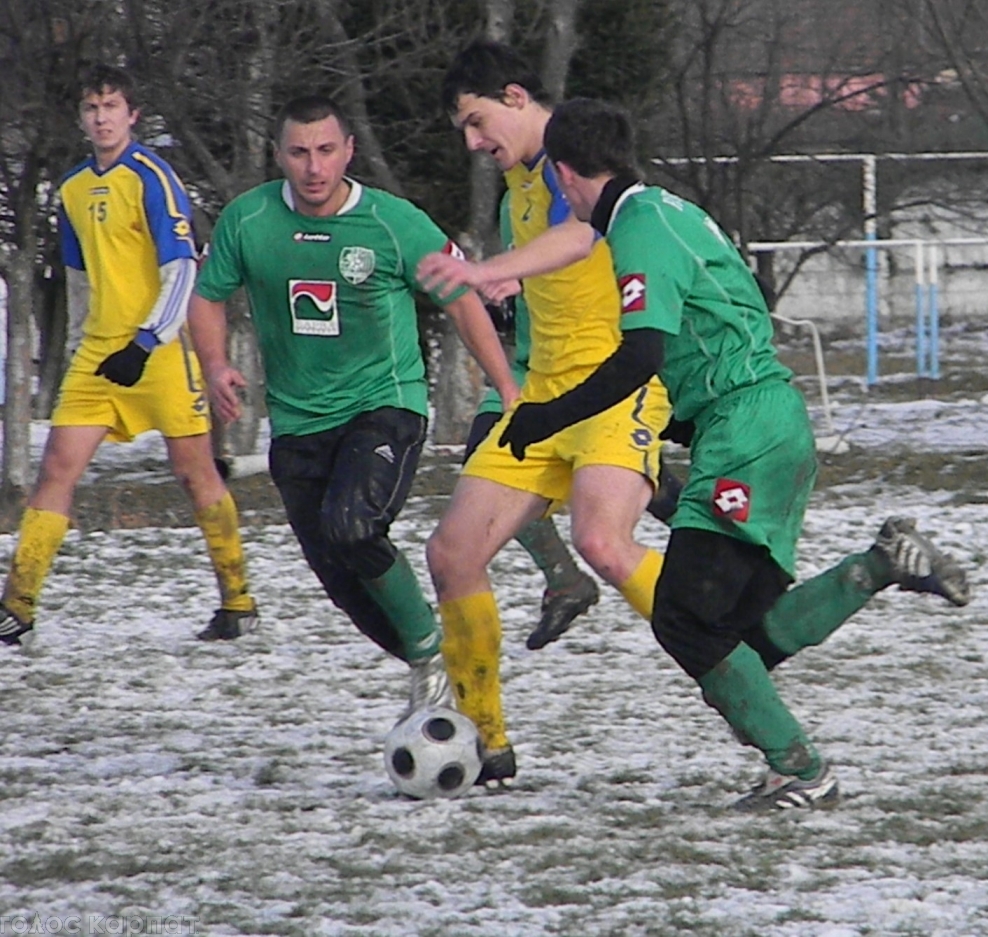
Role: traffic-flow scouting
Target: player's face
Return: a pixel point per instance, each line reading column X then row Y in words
column 496, row 127
column 106, row 119
column 314, row 158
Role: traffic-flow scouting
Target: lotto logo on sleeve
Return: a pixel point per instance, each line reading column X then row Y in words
column 732, row 500
column 454, row 250
column 632, row 292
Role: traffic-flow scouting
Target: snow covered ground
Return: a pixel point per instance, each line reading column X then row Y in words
column 150, row 781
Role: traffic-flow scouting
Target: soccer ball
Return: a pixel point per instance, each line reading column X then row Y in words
column 435, row 752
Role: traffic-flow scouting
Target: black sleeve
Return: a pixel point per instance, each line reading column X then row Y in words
column 637, row 359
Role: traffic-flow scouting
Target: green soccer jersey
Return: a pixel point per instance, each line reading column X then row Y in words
column 679, row 273
column 331, row 299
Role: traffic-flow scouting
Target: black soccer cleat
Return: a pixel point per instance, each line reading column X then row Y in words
column 13, row 631
column 226, row 625
column 559, row 608
column 498, row 769
column 917, row 565
column 788, row 792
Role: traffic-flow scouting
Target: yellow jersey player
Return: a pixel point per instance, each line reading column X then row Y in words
column 606, row 467
column 130, row 266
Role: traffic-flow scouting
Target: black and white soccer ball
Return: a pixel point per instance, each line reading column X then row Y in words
column 435, row 752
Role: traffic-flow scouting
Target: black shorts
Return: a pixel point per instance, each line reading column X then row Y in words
column 342, row 488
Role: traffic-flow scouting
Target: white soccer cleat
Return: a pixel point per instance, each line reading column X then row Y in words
column 917, row 565
column 13, row 631
column 428, row 687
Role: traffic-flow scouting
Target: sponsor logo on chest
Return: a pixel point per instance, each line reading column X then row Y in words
column 313, row 306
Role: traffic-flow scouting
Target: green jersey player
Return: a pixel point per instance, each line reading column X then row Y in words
column 693, row 313
column 329, row 268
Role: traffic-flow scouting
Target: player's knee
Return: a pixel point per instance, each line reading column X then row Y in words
column 359, row 544
column 440, row 555
column 602, row 552
column 691, row 642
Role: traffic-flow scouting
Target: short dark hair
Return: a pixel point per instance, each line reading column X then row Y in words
column 485, row 68
column 307, row 109
column 591, row 137
column 101, row 77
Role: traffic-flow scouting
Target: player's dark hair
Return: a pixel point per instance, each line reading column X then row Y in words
column 485, row 68
column 591, row 137
column 307, row 109
column 101, row 77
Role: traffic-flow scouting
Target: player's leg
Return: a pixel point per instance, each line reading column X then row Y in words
column 569, row 592
column 216, row 515
column 712, row 590
column 481, row 517
column 300, row 469
column 812, row 611
column 68, row 450
column 615, row 465
column 606, row 503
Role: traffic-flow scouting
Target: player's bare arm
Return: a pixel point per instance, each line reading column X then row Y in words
column 207, row 324
column 559, row 246
column 478, row 334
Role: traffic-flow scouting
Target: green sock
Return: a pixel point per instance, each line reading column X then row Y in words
column 809, row 613
column 398, row 592
column 542, row 542
column 740, row 689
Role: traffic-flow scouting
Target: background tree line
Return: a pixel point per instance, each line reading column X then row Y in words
column 746, row 78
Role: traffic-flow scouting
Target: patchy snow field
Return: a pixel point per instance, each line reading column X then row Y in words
column 153, row 784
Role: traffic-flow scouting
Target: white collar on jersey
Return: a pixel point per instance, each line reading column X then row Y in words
column 356, row 189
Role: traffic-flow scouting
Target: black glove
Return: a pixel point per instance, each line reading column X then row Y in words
column 679, row 431
column 126, row 366
column 529, row 423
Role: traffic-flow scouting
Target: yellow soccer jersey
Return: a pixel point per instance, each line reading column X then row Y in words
column 575, row 311
column 120, row 225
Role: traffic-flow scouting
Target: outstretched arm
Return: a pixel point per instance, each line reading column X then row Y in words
column 557, row 247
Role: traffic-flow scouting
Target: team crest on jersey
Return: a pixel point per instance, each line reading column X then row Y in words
column 632, row 289
column 313, row 307
column 732, row 500
column 356, row 264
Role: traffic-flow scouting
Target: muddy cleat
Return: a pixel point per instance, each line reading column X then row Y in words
column 917, row 565
column 788, row 792
column 498, row 769
column 559, row 608
column 226, row 625
column 429, row 686
column 13, row 631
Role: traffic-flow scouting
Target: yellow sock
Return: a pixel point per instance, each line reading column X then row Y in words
column 41, row 534
column 220, row 526
column 471, row 647
column 639, row 587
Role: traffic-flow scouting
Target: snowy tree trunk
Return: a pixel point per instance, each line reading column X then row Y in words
column 19, row 372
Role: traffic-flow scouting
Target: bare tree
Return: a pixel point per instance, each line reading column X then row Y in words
column 40, row 45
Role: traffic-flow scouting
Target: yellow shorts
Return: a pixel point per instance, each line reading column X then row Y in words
column 170, row 396
column 626, row 435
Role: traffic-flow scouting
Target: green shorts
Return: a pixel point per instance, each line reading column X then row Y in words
column 752, row 469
